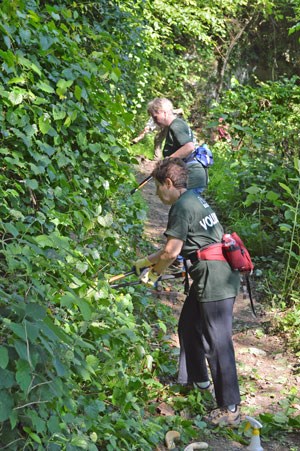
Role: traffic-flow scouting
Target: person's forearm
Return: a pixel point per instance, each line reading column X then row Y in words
column 162, row 259
column 183, row 151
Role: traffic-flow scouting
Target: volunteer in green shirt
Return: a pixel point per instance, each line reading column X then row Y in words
column 205, row 324
column 179, row 141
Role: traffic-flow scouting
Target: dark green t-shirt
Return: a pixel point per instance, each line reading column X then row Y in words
column 194, row 222
column 179, row 134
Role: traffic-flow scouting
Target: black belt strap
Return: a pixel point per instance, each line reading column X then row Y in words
column 186, row 279
column 250, row 295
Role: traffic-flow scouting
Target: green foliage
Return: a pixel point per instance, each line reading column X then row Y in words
column 268, row 194
column 285, row 420
column 81, row 364
column 69, row 345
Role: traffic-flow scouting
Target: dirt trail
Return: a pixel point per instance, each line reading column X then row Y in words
column 266, row 369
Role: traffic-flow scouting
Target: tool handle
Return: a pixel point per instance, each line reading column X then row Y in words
column 121, row 276
column 125, row 274
column 141, row 184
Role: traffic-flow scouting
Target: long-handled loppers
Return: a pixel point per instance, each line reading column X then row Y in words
column 143, row 183
column 163, row 277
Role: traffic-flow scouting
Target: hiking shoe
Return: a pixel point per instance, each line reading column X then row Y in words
column 224, row 417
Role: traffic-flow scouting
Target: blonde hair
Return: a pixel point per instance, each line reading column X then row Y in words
column 159, row 103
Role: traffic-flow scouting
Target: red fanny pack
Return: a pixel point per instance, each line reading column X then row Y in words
column 236, row 253
column 231, row 249
column 211, row 252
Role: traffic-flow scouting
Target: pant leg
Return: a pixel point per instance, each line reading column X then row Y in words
column 219, row 351
column 192, row 362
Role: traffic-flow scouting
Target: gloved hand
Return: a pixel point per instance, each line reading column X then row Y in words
column 141, row 263
column 149, row 278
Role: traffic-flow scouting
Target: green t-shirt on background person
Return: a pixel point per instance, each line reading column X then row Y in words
column 179, row 134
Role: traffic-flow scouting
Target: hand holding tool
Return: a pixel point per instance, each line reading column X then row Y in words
column 149, row 278
column 141, row 264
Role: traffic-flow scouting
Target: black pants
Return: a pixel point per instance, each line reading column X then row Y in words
column 205, row 333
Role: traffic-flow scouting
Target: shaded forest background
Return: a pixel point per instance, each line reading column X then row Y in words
column 80, row 362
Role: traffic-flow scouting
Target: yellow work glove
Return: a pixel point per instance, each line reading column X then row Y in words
column 141, row 263
column 149, row 278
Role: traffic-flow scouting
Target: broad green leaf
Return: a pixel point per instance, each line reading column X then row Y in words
column 17, row 81
column 77, row 92
column 32, row 184
column 69, row 299
column 64, row 84
column 21, row 349
column 95, row 147
column 82, row 267
column 13, row 419
column 9, row 57
column 32, row 435
column 7, row 378
column 45, row 87
column 10, row 228
column 29, row 64
column 34, row 16
column 49, row 150
column 105, row 221
column 93, row 409
column 37, row 170
column 43, row 240
column 285, row 187
column 35, row 311
column 271, row 195
column 92, row 361
column 6, row 405
column 15, row 161
column 23, row 374
column 15, row 97
column 285, row 227
column 85, row 309
column 104, row 156
column 80, row 442
column 7, row 41
column 38, row 424
column 46, row 41
column 44, row 124
column 58, row 114
column 254, row 189
column 18, row 329
column 55, row 16
column 57, row 331
column 61, row 369
column 53, row 424
column 3, row 357
column 25, row 35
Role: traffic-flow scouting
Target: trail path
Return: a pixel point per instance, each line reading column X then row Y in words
column 266, row 369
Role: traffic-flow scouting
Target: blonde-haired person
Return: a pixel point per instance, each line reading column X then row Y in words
column 179, row 141
column 160, row 134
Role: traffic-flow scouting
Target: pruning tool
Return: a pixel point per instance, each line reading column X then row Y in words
column 143, row 183
column 137, row 282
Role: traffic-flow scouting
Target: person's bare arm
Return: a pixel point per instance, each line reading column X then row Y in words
column 141, row 135
column 184, row 151
column 165, row 256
